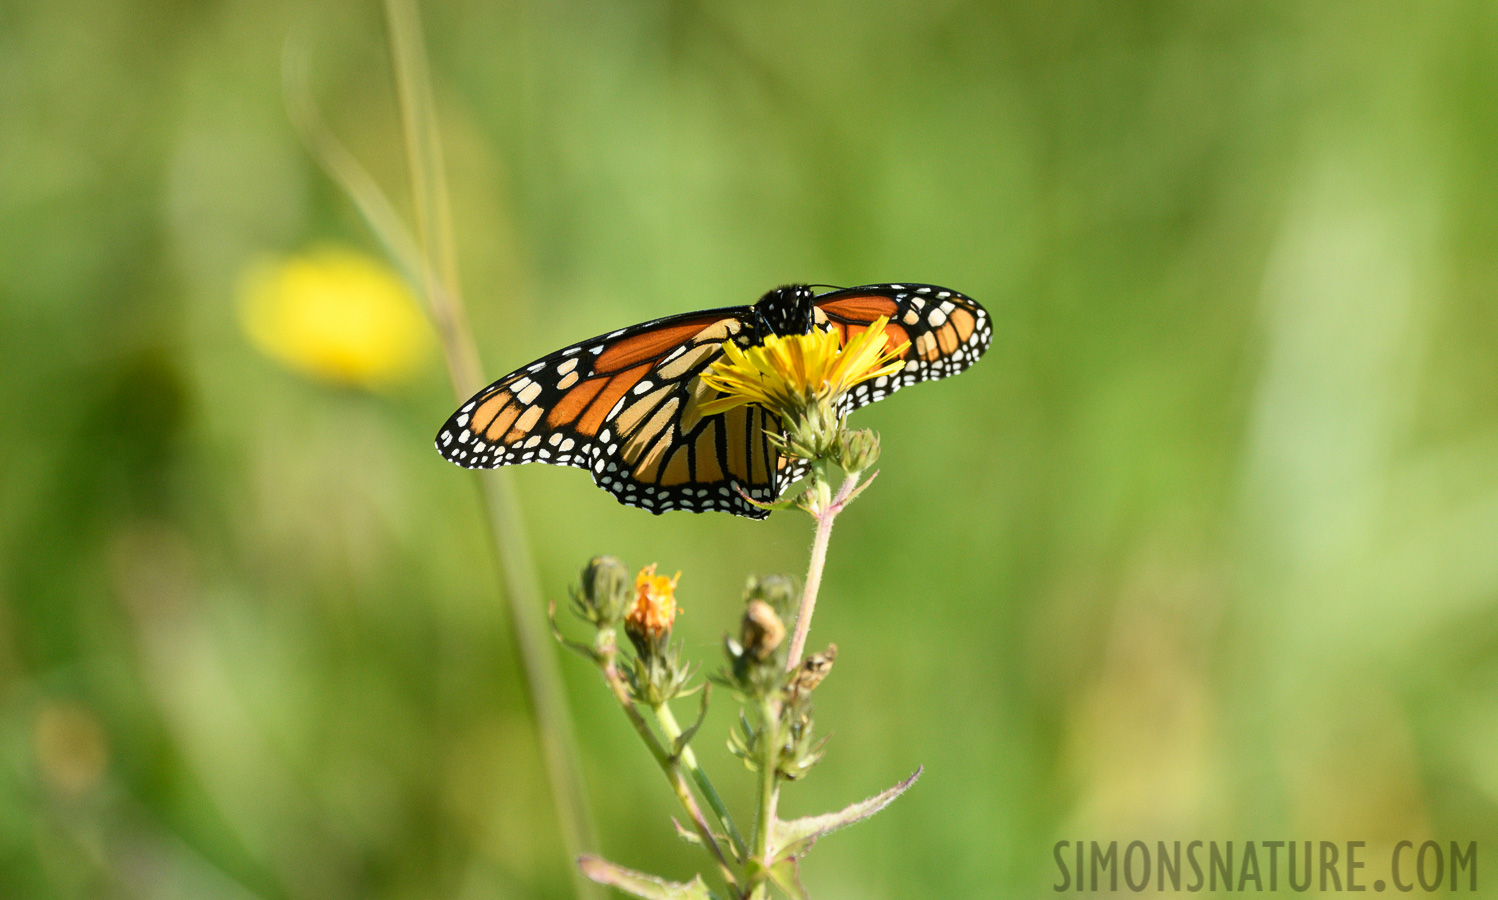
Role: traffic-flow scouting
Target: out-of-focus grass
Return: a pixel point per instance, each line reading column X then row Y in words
column 1202, row 549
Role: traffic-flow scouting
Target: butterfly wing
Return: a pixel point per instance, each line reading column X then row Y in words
column 625, row 407
column 947, row 331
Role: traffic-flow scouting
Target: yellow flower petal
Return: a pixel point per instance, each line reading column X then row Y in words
column 788, row 374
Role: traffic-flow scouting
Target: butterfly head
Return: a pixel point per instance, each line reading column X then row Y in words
column 787, row 310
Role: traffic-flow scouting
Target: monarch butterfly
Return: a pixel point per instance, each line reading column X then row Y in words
column 624, row 405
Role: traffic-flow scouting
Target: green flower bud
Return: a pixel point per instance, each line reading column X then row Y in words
column 604, row 593
column 858, row 450
column 813, row 433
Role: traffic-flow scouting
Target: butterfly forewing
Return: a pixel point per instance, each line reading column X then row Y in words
column 624, row 406
column 947, row 331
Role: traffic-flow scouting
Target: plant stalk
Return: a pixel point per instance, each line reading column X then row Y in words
column 769, row 798
column 824, row 513
column 439, row 275
column 670, row 765
column 673, row 732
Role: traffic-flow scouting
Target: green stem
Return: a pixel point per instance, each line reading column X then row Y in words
column 769, row 798
column 689, row 761
column 439, row 276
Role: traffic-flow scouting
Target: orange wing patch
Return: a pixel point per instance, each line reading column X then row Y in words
column 735, row 427
column 946, row 338
column 706, row 447
column 947, row 332
column 647, row 345
column 574, row 402
column 894, row 336
column 617, row 387
column 867, row 307
column 503, row 421
column 676, row 470
column 964, row 322
column 524, row 424
column 488, row 410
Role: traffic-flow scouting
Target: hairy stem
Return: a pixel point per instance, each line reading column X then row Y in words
column 689, row 762
column 825, row 513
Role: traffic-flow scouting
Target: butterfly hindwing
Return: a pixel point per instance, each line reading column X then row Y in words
column 670, row 456
column 947, row 331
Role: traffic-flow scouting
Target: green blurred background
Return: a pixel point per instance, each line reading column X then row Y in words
column 1205, row 548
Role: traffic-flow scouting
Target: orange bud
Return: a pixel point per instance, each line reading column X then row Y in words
column 649, row 621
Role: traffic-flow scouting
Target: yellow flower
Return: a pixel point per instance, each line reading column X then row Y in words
column 335, row 314
column 789, row 375
column 650, row 619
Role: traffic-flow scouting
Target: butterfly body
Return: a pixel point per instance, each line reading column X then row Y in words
column 785, row 311
column 625, row 405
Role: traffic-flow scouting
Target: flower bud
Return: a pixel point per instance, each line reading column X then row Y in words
column 762, row 630
column 811, row 672
column 604, row 592
column 777, row 590
column 857, row 450
column 813, row 432
column 649, row 621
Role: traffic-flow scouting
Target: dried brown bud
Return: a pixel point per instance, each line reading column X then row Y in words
column 811, row 672
column 763, row 631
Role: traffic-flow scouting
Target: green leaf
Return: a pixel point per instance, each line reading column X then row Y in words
column 795, row 837
column 641, row 885
column 582, row 649
column 787, row 876
column 686, row 834
column 686, row 736
column 692, row 837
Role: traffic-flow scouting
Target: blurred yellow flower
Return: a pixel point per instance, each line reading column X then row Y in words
column 335, row 314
